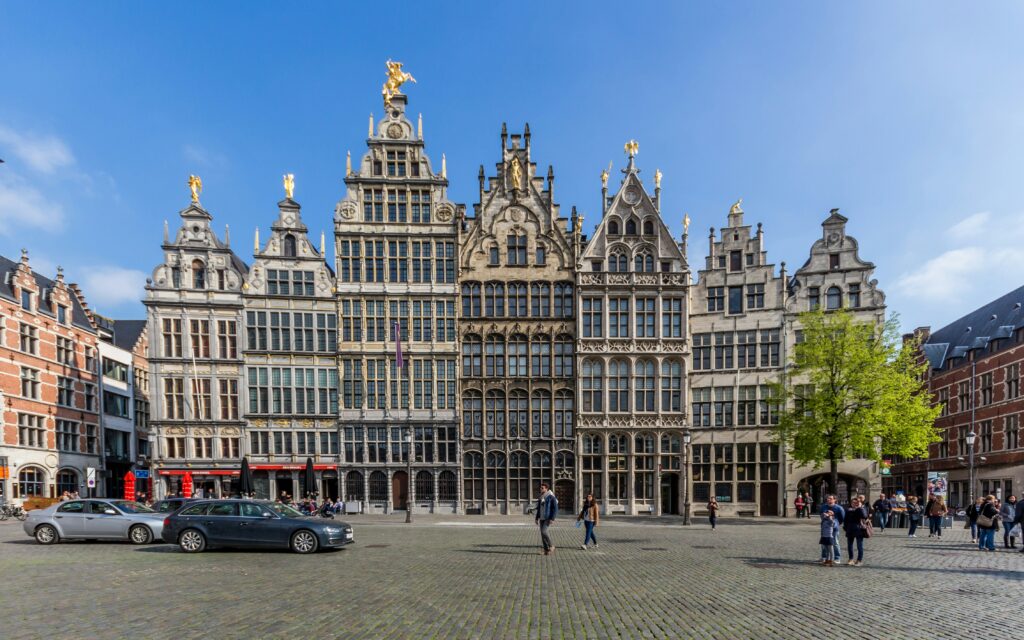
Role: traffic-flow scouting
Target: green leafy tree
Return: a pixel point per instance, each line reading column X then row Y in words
column 854, row 390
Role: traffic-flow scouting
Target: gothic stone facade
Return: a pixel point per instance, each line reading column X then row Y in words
column 395, row 246
column 517, row 270
column 633, row 285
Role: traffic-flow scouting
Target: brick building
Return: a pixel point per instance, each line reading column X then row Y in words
column 974, row 372
column 49, row 408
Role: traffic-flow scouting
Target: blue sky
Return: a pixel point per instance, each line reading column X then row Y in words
column 908, row 116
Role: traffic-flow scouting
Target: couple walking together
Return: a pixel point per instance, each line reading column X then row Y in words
column 547, row 511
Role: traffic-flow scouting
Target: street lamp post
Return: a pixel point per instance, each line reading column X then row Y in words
column 408, row 475
column 971, row 437
column 686, row 478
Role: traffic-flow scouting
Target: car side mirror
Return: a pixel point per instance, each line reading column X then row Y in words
column 268, row 516
column 110, row 512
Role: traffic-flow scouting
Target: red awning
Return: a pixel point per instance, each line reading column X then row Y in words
column 198, row 472
column 291, row 467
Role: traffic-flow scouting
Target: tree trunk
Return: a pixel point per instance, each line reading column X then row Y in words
column 833, row 475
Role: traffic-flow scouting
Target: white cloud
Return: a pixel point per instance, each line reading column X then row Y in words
column 203, row 157
column 24, row 206
column 41, row 153
column 107, row 286
column 970, row 227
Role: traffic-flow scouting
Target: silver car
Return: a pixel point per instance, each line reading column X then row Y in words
column 95, row 519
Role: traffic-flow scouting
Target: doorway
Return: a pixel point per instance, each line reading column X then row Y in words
column 565, row 492
column 670, row 494
column 400, row 490
column 285, row 487
column 769, row 499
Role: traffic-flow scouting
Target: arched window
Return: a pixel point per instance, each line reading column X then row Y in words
column 592, row 465
column 833, row 298
column 198, row 274
column 643, row 467
column 519, row 476
column 563, row 300
column 516, row 250
column 472, row 414
column 473, row 489
column 289, row 246
column 494, row 358
column 541, row 468
column 494, row 300
column 617, row 467
column 354, row 489
column 540, row 300
column 648, row 228
column 378, row 486
column 31, row 483
column 671, row 385
column 496, row 473
column 617, row 263
column 517, row 300
column 447, row 489
column 541, row 414
column 424, row 485
column 563, row 413
column 593, row 385
column 643, row 262
column 518, row 362
column 613, row 227
column 471, row 356
column 518, row 409
column 540, row 356
column 644, row 387
column 565, row 461
column 670, row 451
column 631, row 227
column 563, row 357
column 67, row 480
column 471, row 300
column 618, row 386
column 495, row 413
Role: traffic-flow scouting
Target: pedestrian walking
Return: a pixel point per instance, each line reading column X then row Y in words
column 988, row 523
column 547, row 510
column 936, row 512
column 913, row 515
column 838, row 515
column 799, row 505
column 972, row 513
column 881, row 510
column 808, row 504
column 1007, row 514
column 713, row 512
column 589, row 516
column 855, row 524
column 827, row 539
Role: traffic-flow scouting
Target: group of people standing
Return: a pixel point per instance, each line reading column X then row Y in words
column 987, row 514
column 854, row 522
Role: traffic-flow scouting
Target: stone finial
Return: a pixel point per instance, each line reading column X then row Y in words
column 370, row 134
column 323, row 245
column 167, row 233
column 256, row 241
column 348, row 163
column 419, row 127
column 444, row 166
column 227, row 235
column 24, row 256
column 60, row 273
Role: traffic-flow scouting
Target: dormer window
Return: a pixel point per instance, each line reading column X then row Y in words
column 833, row 298
column 289, row 246
column 833, row 261
column 648, row 228
column 495, row 257
column 62, row 314
column 617, row 263
column 631, row 228
column 26, row 300
column 541, row 255
column 734, row 260
column 516, row 250
column 198, row 274
column 613, row 227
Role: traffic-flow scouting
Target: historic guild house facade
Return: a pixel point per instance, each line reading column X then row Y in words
column 531, row 353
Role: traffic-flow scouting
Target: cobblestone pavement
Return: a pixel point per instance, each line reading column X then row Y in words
column 483, row 578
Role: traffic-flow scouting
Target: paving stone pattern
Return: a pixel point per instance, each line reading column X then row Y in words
column 457, row 579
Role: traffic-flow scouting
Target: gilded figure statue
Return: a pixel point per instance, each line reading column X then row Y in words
column 736, row 207
column 517, row 173
column 604, row 175
column 396, row 78
column 686, row 223
column 632, row 148
column 657, row 178
column 289, row 185
column 195, row 184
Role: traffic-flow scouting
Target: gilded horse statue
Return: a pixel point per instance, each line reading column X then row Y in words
column 396, row 78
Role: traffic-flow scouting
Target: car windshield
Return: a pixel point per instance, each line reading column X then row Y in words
column 131, row 507
column 284, row 510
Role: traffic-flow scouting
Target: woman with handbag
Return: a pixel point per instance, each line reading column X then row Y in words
column 988, row 522
column 914, row 515
column 856, row 524
column 589, row 516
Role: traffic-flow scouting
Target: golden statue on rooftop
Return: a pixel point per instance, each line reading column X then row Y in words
column 736, row 208
column 632, row 148
column 396, row 78
column 657, row 178
column 195, row 184
column 604, row 175
column 517, row 173
column 686, row 223
column 289, row 185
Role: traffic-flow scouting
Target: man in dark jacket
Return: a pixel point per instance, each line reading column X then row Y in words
column 838, row 515
column 547, row 510
column 881, row 509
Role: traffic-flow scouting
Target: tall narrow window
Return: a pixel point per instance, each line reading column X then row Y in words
column 198, row 274
column 834, row 298
column 289, row 246
column 516, row 250
column 618, row 386
column 593, row 385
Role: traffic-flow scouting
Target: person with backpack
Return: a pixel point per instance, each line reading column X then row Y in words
column 881, row 509
column 589, row 516
column 547, row 510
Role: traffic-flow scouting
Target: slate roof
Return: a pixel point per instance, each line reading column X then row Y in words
column 127, row 332
column 998, row 319
column 78, row 316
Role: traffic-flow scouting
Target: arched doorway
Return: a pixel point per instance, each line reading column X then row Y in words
column 565, row 492
column 670, row 494
column 400, row 490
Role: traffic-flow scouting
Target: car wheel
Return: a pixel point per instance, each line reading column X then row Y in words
column 304, row 542
column 140, row 534
column 191, row 541
column 46, row 534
